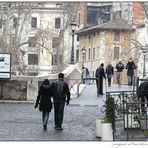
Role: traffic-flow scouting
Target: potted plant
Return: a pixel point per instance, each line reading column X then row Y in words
column 107, row 124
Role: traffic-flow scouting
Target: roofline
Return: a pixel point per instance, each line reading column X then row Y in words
column 101, row 28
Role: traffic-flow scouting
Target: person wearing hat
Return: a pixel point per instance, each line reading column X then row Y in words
column 100, row 74
column 119, row 67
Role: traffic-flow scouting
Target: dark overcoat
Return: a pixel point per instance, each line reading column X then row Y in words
column 44, row 98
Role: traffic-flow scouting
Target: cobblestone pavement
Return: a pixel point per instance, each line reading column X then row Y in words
column 21, row 122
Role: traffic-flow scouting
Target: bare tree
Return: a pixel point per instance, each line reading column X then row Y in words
column 14, row 36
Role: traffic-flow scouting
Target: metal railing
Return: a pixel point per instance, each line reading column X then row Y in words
column 129, row 120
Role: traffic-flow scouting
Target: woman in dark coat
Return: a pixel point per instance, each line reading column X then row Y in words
column 44, row 101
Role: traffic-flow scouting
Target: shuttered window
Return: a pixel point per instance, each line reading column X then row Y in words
column 117, row 36
column 94, row 52
column 34, row 22
column 116, row 52
column 14, row 22
column 57, row 22
column 77, row 55
column 0, row 23
column 89, row 54
column 32, row 42
column 32, row 59
column 54, row 42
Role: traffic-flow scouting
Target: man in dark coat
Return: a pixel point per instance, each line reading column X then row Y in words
column 130, row 71
column 44, row 101
column 61, row 94
column 109, row 72
column 143, row 93
column 100, row 74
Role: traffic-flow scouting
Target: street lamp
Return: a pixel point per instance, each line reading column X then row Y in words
column 83, row 50
column 73, row 28
column 144, row 55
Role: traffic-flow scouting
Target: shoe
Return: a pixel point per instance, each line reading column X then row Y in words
column 59, row 128
column 45, row 127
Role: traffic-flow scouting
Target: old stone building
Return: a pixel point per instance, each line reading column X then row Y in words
column 33, row 33
column 106, row 31
column 105, row 42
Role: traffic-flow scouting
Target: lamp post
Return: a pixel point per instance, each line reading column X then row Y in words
column 73, row 28
column 144, row 55
column 83, row 50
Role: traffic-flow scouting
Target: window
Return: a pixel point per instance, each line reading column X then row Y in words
column 77, row 37
column 94, row 53
column 34, row 22
column 77, row 55
column 89, row 55
column 32, row 59
column 14, row 22
column 117, row 15
column 116, row 52
column 0, row 23
column 12, row 41
column 117, row 36
column 54, row 42
column 54, row 59
column 32, row 42
column 79, row 18
column 58, row 5
column 89, row 37
column 57, row 22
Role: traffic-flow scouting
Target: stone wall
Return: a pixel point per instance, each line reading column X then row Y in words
column 13, row 90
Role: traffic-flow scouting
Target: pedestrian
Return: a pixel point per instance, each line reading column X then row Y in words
column 100, row 74
column 61, row 94
column 109, row 72
column 130, row 71
column 44, row 101
column 143, row 94
column 85, row 75
column 119, row 67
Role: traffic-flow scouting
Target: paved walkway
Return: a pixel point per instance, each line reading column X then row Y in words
column 20, row 121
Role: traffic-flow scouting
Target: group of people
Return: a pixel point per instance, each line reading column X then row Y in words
column 60, row 92
column 101, row 73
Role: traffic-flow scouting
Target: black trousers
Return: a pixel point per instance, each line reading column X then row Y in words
column 99, row 84
column 109, row 81
column 58, row 113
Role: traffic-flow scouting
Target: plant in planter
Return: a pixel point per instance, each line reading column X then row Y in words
column 108, row 121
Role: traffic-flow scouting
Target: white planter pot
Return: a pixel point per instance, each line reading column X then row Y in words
column 106, row 132
column 98, row 127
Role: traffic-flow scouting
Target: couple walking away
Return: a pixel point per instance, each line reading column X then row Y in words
column 59, row 90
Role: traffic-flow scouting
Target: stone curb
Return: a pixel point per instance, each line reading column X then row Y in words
column 17, row 101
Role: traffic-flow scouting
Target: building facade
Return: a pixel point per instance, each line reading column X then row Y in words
column 106, row 32
column 106, row 42
column 33, row 36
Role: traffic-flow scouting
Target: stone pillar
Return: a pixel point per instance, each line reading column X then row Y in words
column 32, row 90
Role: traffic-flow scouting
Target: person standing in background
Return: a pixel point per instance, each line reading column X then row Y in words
column 130, row 71
column 100, row 74
column 109, row 72
column 119, row 67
